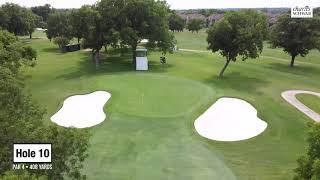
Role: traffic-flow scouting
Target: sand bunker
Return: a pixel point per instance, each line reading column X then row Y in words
column 230, row 119
column 82, row 111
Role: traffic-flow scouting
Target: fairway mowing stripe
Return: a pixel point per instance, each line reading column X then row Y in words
column 193, row 50
column 285, row 60
column 270, row 57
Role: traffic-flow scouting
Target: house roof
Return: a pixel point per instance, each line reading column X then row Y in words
column 191, row 16
column 216, row 17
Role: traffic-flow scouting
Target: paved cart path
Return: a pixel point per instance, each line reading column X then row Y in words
column 290, row 97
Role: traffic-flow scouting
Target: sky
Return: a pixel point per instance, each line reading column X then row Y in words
column 180, row 4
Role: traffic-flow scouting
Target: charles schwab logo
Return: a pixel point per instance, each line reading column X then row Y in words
column 301, row 12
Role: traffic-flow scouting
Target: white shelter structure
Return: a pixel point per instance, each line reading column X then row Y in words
column 141, row 60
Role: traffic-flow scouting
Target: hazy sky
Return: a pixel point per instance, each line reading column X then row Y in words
column 179, row 4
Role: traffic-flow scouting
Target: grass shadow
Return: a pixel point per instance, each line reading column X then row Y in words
column 51, row 50
column 238, row 82
column 111, row 64
column 157, row 67
column 300, row 69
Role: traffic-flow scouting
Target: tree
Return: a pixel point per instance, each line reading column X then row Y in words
column 113, row 20
column 61, row 41
column 31, row 21
column 15, row 19
column 79, row 22
column 28, row 53
column 17, row 175
column 195, row 25
column 18, row 110
column 18, row 20
column 43, row 11
column 94, row 38
column 309, row 165
column 13, row 54
column 240, row 33
column 4, row 19
column 297, row 36
column 59, row 26
column 146, row 19
column 102, row 20
column 206, row 12
column 176, row 23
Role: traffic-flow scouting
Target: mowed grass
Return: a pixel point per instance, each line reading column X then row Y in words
column 149, row 132
column 197, row 41
column 313, row 102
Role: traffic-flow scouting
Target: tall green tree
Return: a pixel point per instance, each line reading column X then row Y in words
column 309, row 164
column 31, row 21
column 79, row 21
column 59, row 26
column 195, row 25
column 15, row 19
column 296, row 36
column 113, row 20
column 145, row 19
column 240, row 33
column 43, row 11
column 176, row 23
column 18, row 20
column 94, row 38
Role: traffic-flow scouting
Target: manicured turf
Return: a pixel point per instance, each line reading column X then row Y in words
column 197, row 41
column 313, row 102
column 149, row 133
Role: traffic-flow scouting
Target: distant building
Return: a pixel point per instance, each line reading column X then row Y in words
column 188, row 17
column 272, row 18
column 214, row 18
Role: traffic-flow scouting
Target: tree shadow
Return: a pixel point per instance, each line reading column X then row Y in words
column 28, row 40
column 238, row 82
column 110, row 64
column 301, row 69
column 51, row 50
column 25, row 41
column 157, row 67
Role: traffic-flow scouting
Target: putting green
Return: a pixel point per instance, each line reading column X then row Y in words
column 154, row 95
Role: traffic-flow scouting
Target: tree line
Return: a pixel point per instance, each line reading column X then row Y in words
column 114, row 23
column 18, row 20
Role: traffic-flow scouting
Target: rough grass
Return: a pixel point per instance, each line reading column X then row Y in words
column 149, row 132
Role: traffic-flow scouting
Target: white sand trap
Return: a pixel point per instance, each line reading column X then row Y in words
column 230, row 119
column 82, row 111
